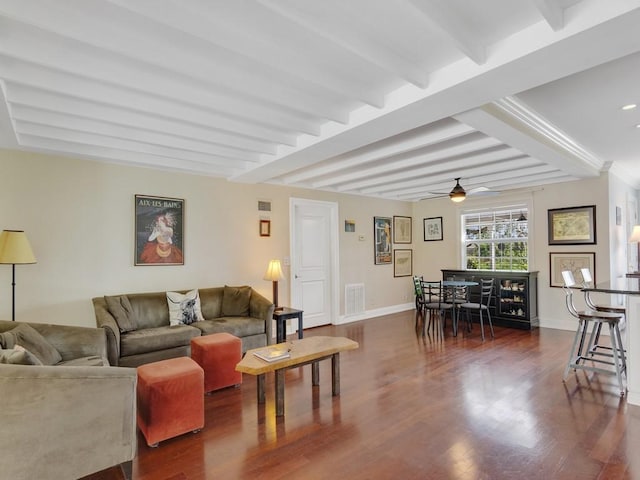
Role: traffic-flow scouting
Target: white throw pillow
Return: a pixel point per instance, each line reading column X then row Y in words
column 184, row 309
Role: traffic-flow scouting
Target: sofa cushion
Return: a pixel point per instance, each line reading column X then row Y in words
column 18, row 356
column 158, row 338
column 211, row 302
column 121, row 309
column 237, row 326
column 27, row 337
column 235, row 301
column 184, row 308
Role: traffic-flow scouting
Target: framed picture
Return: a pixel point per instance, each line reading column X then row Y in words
column 159, row 230
column 265, row 228
column 382, row 240
column 402, row 263
column 432, row 229
column 574, row 261
column 572, row 226
column 350, row 226
column 401, row 229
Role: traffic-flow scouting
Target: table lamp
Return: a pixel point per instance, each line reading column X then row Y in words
column 15, row 250
column 635, row 238
column 273, row 274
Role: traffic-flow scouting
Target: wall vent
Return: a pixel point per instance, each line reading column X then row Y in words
column 264, row 206
column 353, row 298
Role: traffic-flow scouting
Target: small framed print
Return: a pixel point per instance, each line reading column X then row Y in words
column 432, row 229
column 401, row 229
column 265, row 228
column 402, row 263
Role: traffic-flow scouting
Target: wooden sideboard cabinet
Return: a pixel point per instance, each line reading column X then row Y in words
column 515, row 300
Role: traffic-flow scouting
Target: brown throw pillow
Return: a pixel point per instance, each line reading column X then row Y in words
column 235, row 301
column 28, row 337
column 120, row 307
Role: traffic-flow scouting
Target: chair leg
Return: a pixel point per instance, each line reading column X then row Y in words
column 573, row 349
column 481, row 324
column 490, row 323
column 616, row 362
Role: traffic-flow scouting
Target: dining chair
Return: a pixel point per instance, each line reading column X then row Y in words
column 594, row 339
column 419, row 293
column 482, row 307
column 580, row 353
column 435, row 306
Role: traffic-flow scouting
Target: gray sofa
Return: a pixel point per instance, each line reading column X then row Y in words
column 70, row 419
column 145, row 335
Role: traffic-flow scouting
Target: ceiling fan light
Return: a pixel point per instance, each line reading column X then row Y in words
column 457, row 196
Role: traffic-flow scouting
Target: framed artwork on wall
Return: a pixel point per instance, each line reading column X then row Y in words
column 402, row 263
column 432, row 229
column 574, row 261
column 159, row 230
column 265, row 228
column 572, row 226
column 401, row 229
column 382, row 240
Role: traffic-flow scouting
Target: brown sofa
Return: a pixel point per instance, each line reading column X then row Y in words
column 68, row 419
column 147, row 336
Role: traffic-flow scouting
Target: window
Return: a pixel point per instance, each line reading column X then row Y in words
column 496, row 239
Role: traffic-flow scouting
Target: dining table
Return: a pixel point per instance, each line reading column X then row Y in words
column 628, row 288
column 453, row 285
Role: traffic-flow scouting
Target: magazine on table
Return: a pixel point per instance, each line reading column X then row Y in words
column 272, row 354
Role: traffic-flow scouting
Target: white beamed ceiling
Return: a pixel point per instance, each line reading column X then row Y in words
column 382, row 98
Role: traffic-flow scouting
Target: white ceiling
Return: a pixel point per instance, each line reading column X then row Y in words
column 385, row 98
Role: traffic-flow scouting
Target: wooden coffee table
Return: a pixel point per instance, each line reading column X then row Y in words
column 304, row 351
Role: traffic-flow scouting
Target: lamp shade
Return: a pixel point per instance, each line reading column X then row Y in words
column 15, row 248
column 274, row 271
column 635, row 234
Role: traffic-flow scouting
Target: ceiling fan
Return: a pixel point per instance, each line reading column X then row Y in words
column 458, row 194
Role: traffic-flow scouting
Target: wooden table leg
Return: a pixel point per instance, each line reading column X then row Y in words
column 261, row 388
column 335, row 374
column 280, row 393
column 315, row 373
column 300, row 327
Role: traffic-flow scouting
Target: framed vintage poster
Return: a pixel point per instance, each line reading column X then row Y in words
column 382, row 240
column 401, row 229
column 572, row 226
column 432, row 229
column 159, row 230
column 574, row 261
column 402, row 263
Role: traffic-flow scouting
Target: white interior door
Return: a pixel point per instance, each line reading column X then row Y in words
column 314, row 233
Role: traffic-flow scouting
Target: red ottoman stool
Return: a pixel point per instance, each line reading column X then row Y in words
column 218, row 354
column 170, row 399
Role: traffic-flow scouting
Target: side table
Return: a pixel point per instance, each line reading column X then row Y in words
column 281, row 316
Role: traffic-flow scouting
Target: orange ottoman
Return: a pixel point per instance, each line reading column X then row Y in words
column 170, row 399
column 218, row 354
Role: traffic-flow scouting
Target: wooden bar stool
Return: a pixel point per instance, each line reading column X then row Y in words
column 580, row 353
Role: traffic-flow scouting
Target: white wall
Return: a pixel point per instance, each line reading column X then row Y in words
column 78, row 215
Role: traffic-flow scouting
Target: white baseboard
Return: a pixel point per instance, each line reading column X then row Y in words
column 378, row 312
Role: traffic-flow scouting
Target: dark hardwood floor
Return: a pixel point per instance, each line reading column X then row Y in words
column 415, row 408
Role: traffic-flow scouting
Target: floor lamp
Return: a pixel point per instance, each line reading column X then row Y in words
column 273, row 274
column 15, row 250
